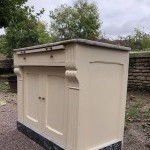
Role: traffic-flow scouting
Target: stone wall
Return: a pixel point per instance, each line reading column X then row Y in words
column 139, row 71
column 8, row 80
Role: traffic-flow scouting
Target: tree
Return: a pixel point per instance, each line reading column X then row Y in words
column 139, row 41
column 21, row 34
column 2, row 43
column 9, row 11
column 44, row 36
column 79, row 21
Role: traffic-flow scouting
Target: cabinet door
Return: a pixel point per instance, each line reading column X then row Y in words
column 32, row 106
column 55, row 105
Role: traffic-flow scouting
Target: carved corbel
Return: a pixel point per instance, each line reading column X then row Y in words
column 18, row 72
column 72, row 78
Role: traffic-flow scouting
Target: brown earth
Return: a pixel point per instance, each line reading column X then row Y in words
column 137, row 128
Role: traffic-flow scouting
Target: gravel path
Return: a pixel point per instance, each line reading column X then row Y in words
column 10, row 138
column 135, row 137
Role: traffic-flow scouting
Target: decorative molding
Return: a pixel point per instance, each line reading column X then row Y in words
column 71, row 75
column 72, row 119
column 73, row 105
column 70, row 58
column 18, row 72
column 104, row 62
column 72, row 96
column 20, row 91
column 75, row 88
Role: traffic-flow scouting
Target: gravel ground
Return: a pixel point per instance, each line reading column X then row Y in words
column 10, row 138
column 137, row 129
column 136, row 137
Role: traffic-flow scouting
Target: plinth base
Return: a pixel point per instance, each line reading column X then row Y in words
column 48, row 145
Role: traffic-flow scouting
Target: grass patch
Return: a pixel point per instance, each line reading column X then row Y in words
column 133, row 111
column 146, row 115
column 137, row 110
column 4, row 86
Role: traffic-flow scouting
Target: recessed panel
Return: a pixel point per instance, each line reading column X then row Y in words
column 55, row 104
column 104, row 103
column 31, row 92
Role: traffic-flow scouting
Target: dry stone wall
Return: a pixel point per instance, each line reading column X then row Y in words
column 8, row 80
column 139, row 71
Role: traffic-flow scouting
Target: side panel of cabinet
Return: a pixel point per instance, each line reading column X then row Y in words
column 32, row 107
column 104, row 103
column 55, row 106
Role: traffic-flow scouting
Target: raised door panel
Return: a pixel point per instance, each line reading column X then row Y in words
column 32, row 107
column 55, row 107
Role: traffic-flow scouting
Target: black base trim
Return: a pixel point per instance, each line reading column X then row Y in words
column 115, row 146
column 45, row 143
column 48, row 145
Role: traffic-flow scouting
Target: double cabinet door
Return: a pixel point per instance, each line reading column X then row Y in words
column 45, row 103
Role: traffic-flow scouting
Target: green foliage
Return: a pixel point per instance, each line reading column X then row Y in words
column 79, row 21
column 9, row 11
column 43, row 34
column 139, row 41
column 4, row 87
column 21, row 34
column 146, row 115
column 134, row 111
column 2, row 44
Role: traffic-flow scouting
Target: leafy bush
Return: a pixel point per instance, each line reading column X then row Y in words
column 139, row 41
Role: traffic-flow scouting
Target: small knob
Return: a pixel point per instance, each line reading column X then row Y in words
column 39, row 97
column 43, row 98
column 51, row 56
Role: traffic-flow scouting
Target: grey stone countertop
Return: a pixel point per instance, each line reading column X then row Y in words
column 79, row 41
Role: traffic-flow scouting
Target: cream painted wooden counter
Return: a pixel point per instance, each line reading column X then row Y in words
column 72, row 93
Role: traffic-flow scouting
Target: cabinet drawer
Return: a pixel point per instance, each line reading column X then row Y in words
column 39, row 59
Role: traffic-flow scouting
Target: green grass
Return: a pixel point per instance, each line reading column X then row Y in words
column 4, row 86
column 133, row 111
column 146, row 115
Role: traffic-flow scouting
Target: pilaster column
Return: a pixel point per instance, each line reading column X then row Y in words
column 18, row 72
column 72, row 98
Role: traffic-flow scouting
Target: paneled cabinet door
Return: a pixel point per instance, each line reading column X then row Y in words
column 55, row 105
column 32, row 98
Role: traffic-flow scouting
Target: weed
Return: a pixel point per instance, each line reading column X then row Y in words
column 133, row 111
column 146, row 115
column 4, row 86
